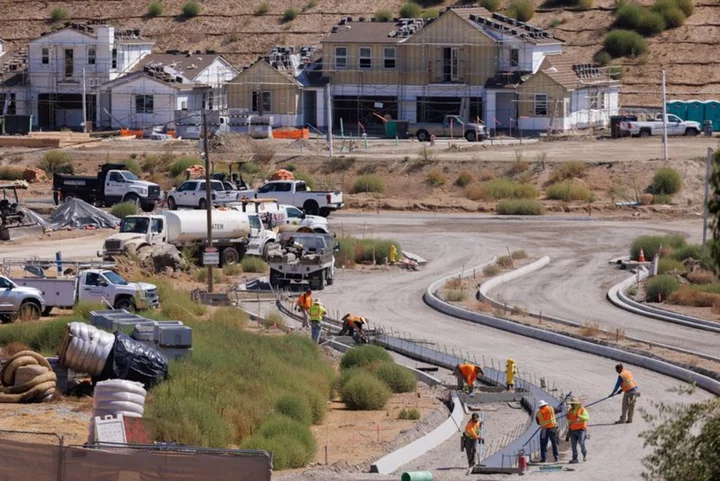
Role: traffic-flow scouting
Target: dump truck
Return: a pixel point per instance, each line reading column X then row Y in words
column 234, row 234
column 112, row 185
column 451, row 126
column 19, row 302
column 303, row 258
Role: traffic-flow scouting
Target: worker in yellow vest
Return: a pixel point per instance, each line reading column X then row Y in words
column 628, row 386
column 392, row 257
column 547, row 421
column 317, row 313
column 466, row 374
column 471, row 438
column 303, row 304
column 578, row 418
column 511, row 370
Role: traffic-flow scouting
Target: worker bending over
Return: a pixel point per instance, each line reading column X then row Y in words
column 471, row 438
column 317, row 313
column 627, row 385
column 578, row 418
column 303, row 304
column 511, row 370
column 353, row 326
column 466, row 374
column 547, row 421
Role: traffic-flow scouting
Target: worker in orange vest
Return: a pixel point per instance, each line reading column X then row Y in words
column 547, row 421
column 466, row 374
column 578, row 418
column 353, row 325
column 628, row 386
column 303, row 304
column 471, row 438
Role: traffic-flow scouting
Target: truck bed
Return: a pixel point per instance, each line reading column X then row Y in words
column 56, row 292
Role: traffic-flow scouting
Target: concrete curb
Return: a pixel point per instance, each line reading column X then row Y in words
column 393, row 461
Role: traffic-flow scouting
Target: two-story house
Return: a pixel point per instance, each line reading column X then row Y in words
column 78, row 58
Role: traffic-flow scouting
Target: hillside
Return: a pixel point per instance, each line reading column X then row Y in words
column 688, row 53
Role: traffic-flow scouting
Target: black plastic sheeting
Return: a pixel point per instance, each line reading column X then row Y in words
column 134, row 361
column 32, row 218
column 78, row 214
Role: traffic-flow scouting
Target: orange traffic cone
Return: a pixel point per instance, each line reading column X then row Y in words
column 641, row 257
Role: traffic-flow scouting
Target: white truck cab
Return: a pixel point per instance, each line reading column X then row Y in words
column 283, row 218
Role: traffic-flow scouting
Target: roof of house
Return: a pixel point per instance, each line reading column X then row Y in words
column 350, row 31
column 13, row 68
column 573, row 74
column 187, row 64
column 158, row 74
column 90, row 29
column 495, row 23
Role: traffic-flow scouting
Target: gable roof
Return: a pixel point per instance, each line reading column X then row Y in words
column 572, row 74
column 187, row 64
column 501, row 26
column 13, row 68
column 262, row 62
column 349, row 31
column 90, row 29
column 156, row 75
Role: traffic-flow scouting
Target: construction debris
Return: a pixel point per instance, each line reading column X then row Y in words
column 78, row 214
column 33, row 175
column 195, row 171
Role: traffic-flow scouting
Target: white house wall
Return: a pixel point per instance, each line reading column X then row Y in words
column 123, row 104
column 540, row 52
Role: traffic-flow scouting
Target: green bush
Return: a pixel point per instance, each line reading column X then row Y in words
column 232, row 269
column 124, row 209
column 519, row 254
column 629, row 16
column 430, row 14
column 568, row 191
column 435, row 178
column 410, row 10
column 155, row 9
column 674, row 17
column 668, row 265
column 133, row 166
column 602, row 58
column 691, row 251
column 254, row 264
column 687, row 6
column 201, row 275
column 383, row 15
column 176, row 304
column 586, row 4
column 491, row 270
column 353, row 250
column 506, row 262
column 624, row 43
column 500, row 188
column 369, row 183
column 662, row 285
column 294, row 407
column 305, row 177
column 82, row 309
column 464, row 179
column 56, row 162
column 44, row 337
column 290, row 14
column 365, row 392
column 58, row 14
column 520, row 207
column 491, row 5
column 363, row 356
column 11, row 172
column 291, row 443
column 231, row 316
column 650, row 244
column 666, row 181
column 181, row 164
column 409, row 414
column 522, row 10
column 455, row 295
column 262, row 9
column 652, row 23
column 568, row 171
column 191, row 9
column 398, row 378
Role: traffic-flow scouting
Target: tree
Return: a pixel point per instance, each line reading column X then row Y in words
column 684, row 438
column 714, row 209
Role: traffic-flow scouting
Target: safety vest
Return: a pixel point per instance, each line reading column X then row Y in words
column 468, row 372
column 472, row 429
column 352, row 320
column 628, row 382
column 546, row 417
column 578, row 418
column 305, row 301
column 316, row 312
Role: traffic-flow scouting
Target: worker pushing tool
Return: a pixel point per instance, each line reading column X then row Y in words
column 578, row 418
column 628, row 386
column 353, row 326
column 317, row 313
column 547, row 421
column 303, row 304
column 511, row 370
column 471, row 439
column 466, row 374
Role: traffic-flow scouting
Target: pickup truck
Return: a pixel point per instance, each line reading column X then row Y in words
column 283, row 218
column 112, row 185
column 675, row 126
column 451, row 126
column 98, row 286
column 297, row 193
column 191, row 193
column 19, row 302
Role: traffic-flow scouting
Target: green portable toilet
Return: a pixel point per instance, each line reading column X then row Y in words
column 696, row 111
column 677, row 107
column 712, row 112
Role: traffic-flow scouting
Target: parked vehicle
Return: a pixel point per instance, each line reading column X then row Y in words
column 451, row 126
column 192, row 193
column 313, row 263
column 297, row 193
column 675, row 126
column 284, row 218
column 234, row 234
column 19, row 302
column 113, row 184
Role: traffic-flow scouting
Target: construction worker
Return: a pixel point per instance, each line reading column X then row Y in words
column 317, row 312
column 628, row 386
column 547, row 421
column 471, row 438
column 511, row 370
column 393, row 254
column 466, row 374
column 351, row 323
column 578, row 418
column 303, row 304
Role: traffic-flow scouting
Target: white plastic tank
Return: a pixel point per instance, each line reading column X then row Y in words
column 191, row 225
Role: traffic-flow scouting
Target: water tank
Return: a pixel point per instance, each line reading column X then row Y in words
column 188, row 225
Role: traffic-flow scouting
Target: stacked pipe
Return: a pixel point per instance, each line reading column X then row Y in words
column 27, row 377
column 85, row 348
column 117, row 396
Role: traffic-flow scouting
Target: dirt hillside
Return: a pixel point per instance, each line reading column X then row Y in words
column 687, row 53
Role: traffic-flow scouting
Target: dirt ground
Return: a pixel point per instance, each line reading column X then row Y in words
column 67, row 417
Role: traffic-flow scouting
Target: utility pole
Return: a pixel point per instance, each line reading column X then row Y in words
column 664, row 111
column 208, row 198
column 328, row 115
column 84, row 103
column 708, row 168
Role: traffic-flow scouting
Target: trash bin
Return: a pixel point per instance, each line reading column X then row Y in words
column 391, row 128
column 708, row 128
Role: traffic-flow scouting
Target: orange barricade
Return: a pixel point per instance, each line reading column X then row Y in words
column 291, row 134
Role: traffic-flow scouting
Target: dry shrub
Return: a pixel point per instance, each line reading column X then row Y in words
column 568, row 171
column 687, row 296
column 646, row 199
column 519, row 254
column 506, row 262
column 518, row 311
column 455, row 295
column 486, row 174
column 491, row 270
column 454, row 283
column 590, row 329
column 435, row 178
column 518, row 168
column 700, row 277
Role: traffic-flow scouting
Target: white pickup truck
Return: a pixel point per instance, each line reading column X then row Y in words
column 675, row 126
column 283, row 218
column 297, row 193
column 451, row 126
column 99, row 286
column 19, row 302
column 192, row 193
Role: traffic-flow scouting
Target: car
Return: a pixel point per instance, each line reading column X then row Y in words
column 191, row 193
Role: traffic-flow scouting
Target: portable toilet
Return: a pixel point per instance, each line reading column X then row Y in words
column 696, row 111
column 677, row 107
column 712, row 112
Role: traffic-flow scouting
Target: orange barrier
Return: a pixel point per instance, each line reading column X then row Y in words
column 129, row 133
column 291, row 134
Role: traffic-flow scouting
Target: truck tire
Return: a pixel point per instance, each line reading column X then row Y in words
column 329, row 280
column 317, row 281
column 132, row 198
column 229, row 256
column 644, row 134
column 274, row 278
column 47, row 311
column 171, row 203
column 202, row 204
column 147, row 206
column 470, row 136
column 29, row 311
column 325, row 212
column 311, row 207
column 422, row 135
column 691, row 132
column 126, row 303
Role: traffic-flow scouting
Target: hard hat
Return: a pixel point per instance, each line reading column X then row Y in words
column 476, row 416
column 542, row 403
column 510, row 361
column 574, row 400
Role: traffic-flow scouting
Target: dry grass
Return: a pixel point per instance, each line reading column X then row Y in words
column 687, row 296
column 701, row 277
column 491, row 270
column 506, row 262
column 486, row 174
column 590, row 329
column 568, row 171
column 519, row 254
column 455, row 295
column 454, row 283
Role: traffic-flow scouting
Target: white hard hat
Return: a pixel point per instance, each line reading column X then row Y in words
column 542, row 403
